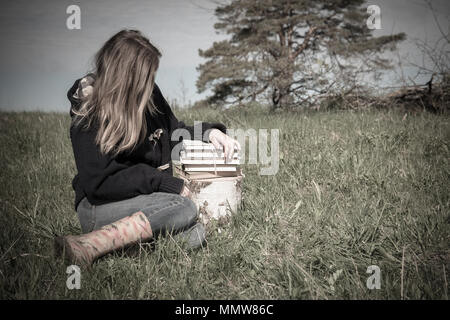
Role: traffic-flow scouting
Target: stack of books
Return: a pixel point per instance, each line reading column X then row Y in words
column 200, row 160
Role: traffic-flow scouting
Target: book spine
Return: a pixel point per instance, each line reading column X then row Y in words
column 209, row 162
column 190, row 168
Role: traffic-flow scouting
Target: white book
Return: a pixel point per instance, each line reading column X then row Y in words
column 206, row 154
column 200, row 148
column 209, row 169
column 209, row 161
column 198, row 145
column 190, row 168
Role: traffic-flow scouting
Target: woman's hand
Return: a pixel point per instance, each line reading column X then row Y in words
column 223, row 142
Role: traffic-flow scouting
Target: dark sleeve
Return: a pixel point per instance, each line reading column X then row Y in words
column 75, row 103
column 104, row 179
column 198, row 131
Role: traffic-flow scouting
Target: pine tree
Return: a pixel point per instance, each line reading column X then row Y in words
column 289, row 50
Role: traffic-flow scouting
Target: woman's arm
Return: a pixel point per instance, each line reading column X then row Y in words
column 210, row 132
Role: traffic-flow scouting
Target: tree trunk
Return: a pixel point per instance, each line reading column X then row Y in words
column 281, row 96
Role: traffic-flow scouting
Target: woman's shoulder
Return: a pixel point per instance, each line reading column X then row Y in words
column 160, row 103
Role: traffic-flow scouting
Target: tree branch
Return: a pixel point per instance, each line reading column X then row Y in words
column 305, row 42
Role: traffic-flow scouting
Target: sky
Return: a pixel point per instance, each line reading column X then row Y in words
column 40, row 57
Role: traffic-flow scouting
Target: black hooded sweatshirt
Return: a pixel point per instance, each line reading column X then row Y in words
column 103, row 178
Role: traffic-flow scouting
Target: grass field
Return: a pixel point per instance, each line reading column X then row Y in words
column 354, row 189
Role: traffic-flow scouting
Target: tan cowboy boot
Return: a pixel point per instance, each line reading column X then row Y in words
column 85, row 248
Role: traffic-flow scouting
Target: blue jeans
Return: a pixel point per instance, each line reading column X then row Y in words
column 166, row 212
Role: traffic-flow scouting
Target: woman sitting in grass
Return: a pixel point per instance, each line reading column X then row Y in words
column 121, row 136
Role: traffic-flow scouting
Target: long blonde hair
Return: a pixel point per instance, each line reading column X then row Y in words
column 124, row 79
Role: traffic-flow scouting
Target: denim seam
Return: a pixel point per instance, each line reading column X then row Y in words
column 169, row 205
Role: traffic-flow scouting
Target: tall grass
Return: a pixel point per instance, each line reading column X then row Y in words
column 353, row 190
